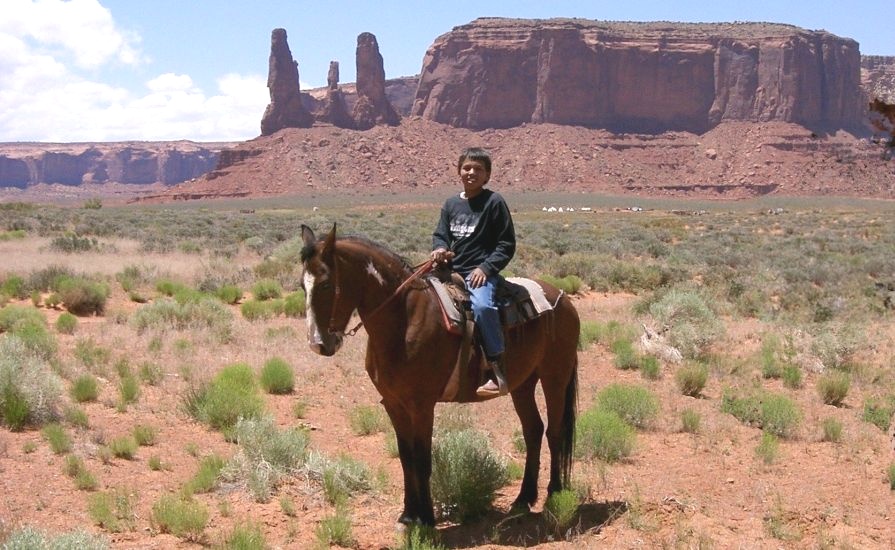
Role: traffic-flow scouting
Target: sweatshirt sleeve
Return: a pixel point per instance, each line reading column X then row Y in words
column 442, row 235
column 505, row 248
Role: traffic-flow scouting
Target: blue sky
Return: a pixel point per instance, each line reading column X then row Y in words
column 112, row 70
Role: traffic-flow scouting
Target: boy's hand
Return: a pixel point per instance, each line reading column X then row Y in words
column 477, row 278
column 440, row 255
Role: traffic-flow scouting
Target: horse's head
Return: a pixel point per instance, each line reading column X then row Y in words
column 321, row 285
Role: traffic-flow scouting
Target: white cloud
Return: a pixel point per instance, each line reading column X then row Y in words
column 51, row 54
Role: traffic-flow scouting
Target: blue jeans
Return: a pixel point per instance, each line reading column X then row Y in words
column 487, row 316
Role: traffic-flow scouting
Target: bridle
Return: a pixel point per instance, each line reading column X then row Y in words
column 419, row 271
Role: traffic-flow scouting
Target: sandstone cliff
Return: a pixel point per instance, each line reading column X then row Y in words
column 646, row 77
column 25, row 164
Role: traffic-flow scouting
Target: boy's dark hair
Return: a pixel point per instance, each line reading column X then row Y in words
column 477, row 154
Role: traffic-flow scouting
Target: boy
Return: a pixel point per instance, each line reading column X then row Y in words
column 476, row 226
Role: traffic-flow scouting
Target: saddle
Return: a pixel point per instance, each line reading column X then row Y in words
column 519, row 300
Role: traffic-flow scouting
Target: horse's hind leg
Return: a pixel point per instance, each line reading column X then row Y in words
column 533, row 433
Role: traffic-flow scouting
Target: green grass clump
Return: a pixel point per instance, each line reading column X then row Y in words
column 792, row 376
column 245, row 536
column 832, row 430
column 691, row 378
column 145, row 435
column 625, row 356
column 74, row 468
column 769, row 448
column 266, row 289
column 588, row 333
column 335, row 530
column 636, row 405
column 368, row 419
column 466, row 474
column 266, row 455
column 128, row 389
column 84, row 388
column 257, row 310
column 891, row 475
column 603, row 434
column 182, row 517
column 294, row 305
column 774, row 413
column 76, row 417
column 276, row 376
column 206, row 314
column 57, row 438
column 232, row 394
column 92, row 355
column 30, row 538
column 878, row 411
column 151, row 373
column 229, row 294
column 570, row 284
column 206, row 478
column 66, row 323
column 833, row 387
column 690, row 421
column 29, row 325
column 341, row 478
column 650, row 368
column 113, row 510
column 123, row 447
column 560, row 510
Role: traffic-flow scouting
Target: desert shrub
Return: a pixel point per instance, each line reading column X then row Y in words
column 85, row 388
column 792, row 376
column 82, row 296
column 91, row 354
column 466, row 474
column 833, row 387
column 836, row 344
column 832, row 430
column 232, row 394
column 890, row 473
column 113, row 510
column 151, row 373
column 878, row 411
column 266, row 289
column 768, row 448
column 603, row 434
column 30, row 538
column 341, row 477
column 588, row 333
column 123, row 447
column 691, row 378
column 420, row 537
column 206, row 477
column 690, row 421
column 14, row 287
column 76, row 417
column 649, row 367
column 693, row 325
column 570, row 284
column 57, row 438
column 245, row 536
column 276, row 376
column 207, row 313
column 30, row 326
column 66, row 323
column 773, row 413
column 46, row 279
column 29, row 389
column 168, row 287
column 266, row 454
column 256, row 310
column 72, row 243
column 560, row 510
column 335, row 530
column 625, row 356
column 182, row 517
column 636, row 405
column 294, row 304
column 128, row 389
column 229, row 294
column 368, row 419
column 145, row 435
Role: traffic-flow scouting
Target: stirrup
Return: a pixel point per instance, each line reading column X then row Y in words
column 489, row 389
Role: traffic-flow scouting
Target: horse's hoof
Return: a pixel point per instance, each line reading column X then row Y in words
column 520, row 507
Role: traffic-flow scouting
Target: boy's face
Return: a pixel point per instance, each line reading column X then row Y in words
column 473, row 176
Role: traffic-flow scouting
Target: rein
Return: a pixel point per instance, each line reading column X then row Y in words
column 421, row 270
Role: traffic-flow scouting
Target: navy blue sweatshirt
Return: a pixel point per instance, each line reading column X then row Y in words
column 479, row 231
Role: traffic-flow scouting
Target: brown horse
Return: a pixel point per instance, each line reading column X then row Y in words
column 411, row 358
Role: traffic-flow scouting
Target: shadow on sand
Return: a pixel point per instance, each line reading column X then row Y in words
column 526, row 529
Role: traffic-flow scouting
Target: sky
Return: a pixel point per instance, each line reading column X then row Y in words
column 119, row 70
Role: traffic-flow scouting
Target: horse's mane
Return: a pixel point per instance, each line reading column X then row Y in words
column 308, row 251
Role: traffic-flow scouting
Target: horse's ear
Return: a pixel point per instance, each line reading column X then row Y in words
column 307, row 235
column 329, row 246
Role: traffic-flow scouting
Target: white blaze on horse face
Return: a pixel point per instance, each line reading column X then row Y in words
column 314, row 336
column 371, row 269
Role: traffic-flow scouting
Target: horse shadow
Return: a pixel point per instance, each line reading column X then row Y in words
column 520, row 528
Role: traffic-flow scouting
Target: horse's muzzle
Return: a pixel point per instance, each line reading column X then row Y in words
column 329, row 345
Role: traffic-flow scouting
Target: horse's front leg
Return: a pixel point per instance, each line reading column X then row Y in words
column 533, row 433
column 414, row 434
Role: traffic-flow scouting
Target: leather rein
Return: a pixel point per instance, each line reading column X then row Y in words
column 419, row 271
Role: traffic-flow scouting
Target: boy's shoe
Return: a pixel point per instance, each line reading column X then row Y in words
column 493, row 388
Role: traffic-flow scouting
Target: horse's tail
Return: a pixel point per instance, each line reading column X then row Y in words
column 569, row 416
